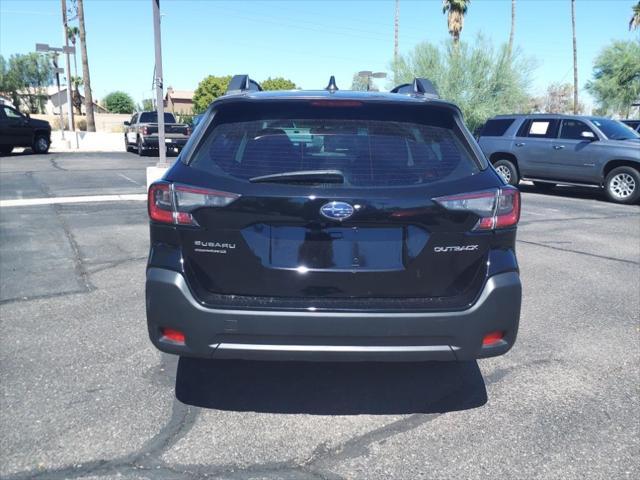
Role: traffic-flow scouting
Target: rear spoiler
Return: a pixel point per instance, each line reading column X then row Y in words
column 419, row 86
column 242, row 83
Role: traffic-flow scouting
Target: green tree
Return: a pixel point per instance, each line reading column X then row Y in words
column 455, row 10
column 482, row 80
column 278, row 83
column 616, row 77
column 119, row 102
column 360, row 83
column 24, row 78
column 147, row 104
column 208, row 90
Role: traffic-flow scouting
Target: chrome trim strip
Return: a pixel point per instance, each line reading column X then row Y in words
column 333, row 348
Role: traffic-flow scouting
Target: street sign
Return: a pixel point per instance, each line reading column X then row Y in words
column 71, row 50
column 42, row 47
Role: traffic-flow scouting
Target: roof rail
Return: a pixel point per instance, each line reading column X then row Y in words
column 419, row 86
column 242, row 83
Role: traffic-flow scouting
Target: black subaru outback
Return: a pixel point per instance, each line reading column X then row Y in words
column 333, row 225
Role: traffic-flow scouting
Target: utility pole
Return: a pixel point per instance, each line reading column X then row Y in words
column 575, row 59
column 396, row 28
column 396, row 51
column 68, row 69
column 162, row 149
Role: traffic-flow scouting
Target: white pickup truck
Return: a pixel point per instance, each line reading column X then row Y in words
column 141, row 132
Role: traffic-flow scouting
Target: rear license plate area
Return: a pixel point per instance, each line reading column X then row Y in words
column 336, row 248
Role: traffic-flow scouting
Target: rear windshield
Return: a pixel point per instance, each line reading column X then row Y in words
column 614, row 129
column 152, row 117
column 367, row 152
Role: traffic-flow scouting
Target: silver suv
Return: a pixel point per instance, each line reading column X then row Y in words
column 563, row 149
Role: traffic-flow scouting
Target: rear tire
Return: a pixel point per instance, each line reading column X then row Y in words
column 41, row 144
column 544, row 186
column 127, row 147
column 622, row 185
column 6, row 149
column 507, row 171
column 140, row 147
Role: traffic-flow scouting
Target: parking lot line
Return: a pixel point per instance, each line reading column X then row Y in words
column 26, row 202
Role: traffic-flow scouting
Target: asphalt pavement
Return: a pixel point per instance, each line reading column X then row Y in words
column 86, row 396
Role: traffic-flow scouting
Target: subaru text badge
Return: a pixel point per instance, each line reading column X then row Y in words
column 336, row 210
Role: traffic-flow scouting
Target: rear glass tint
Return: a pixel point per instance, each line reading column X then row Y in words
column 368, row 152
column 496, row 128
column 152, row 117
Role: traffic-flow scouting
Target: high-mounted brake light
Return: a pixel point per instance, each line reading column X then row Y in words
column 171, row 203
column 498, row 208
column 336, row 103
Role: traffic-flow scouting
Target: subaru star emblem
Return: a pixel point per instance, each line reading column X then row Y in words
column 336, row 210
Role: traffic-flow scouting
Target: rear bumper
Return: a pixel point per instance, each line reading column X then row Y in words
column 170, row 142
column 331, row 336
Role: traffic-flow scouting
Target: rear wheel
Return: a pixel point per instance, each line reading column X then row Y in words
column 6, row 149
column 127, row 147
column 140, row 147
column 507, row 171
column 623, row 185
column 544, row 186
column 40, row 144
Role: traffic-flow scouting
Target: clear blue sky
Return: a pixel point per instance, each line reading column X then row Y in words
column 305, row 41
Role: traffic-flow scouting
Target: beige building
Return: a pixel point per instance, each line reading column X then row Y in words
column 179, row 101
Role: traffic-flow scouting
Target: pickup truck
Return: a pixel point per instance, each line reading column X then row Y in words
column 141, row 132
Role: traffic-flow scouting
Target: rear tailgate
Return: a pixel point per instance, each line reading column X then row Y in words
column 377, row 237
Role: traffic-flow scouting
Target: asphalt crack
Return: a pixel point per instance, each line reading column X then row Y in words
column 579, row 252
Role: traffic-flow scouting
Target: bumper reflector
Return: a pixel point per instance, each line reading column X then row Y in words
column 175, row 336
column 492, row 338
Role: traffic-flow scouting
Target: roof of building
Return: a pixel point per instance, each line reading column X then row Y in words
column 179, row 94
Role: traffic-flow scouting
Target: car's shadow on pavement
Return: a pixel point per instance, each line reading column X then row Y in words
column 586, row 193
column 330, row 388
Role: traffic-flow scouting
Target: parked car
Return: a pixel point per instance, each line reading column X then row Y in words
column 332, row 225
column 634, row 124
column 141, row 132
column 18, row 130
column 566, row 149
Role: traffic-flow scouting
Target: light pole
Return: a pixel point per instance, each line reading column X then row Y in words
column 45, row 48
column 156, row 172
column 368, row 74
column 157, row 37
column 67, row 51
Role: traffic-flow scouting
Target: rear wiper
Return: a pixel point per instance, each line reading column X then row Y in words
column 302, row 176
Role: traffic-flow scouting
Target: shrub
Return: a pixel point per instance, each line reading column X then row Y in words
column 119, row 102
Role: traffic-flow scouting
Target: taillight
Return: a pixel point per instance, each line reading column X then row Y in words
column 171, row 203
column 498, row 208
column 187, row 131
column 145, row 130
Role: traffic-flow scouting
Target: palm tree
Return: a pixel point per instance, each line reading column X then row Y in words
column 634, row 23
column 76, row 81
column 72, row 35
column 456, row 9
column 88, row 97
column 575, row 59
column 513, row 25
